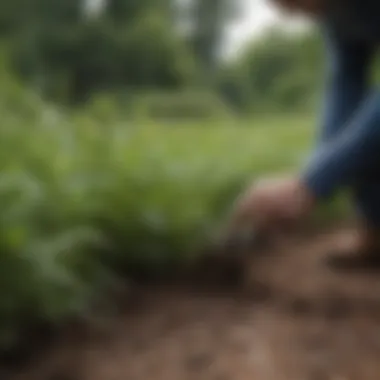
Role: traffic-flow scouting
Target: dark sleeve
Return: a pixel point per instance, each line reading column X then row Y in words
column 346, row 77
column 350, row 133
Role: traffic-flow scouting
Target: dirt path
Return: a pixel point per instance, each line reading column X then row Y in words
column 301, row 321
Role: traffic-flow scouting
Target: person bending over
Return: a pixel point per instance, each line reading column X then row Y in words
column 347, row 153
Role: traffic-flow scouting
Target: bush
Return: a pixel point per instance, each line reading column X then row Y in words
column 49, row 268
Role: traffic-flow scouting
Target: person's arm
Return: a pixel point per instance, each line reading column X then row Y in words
column 354, row 151
column 350, row 136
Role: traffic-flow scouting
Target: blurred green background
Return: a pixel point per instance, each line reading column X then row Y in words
column 125, row 137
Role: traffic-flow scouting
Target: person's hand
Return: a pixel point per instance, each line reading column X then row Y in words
column 274, row 203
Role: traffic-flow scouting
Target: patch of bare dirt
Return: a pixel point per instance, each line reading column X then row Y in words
column 295, row 320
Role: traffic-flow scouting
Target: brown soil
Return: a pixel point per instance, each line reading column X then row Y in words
column 295, row 320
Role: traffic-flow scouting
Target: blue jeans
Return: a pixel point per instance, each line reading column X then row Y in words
column 348, row 150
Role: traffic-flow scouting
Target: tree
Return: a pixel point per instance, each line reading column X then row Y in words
column 209, row 19
column 280, row 71
column 66, row 55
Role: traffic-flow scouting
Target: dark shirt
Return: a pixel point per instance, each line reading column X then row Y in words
column 356, row 20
